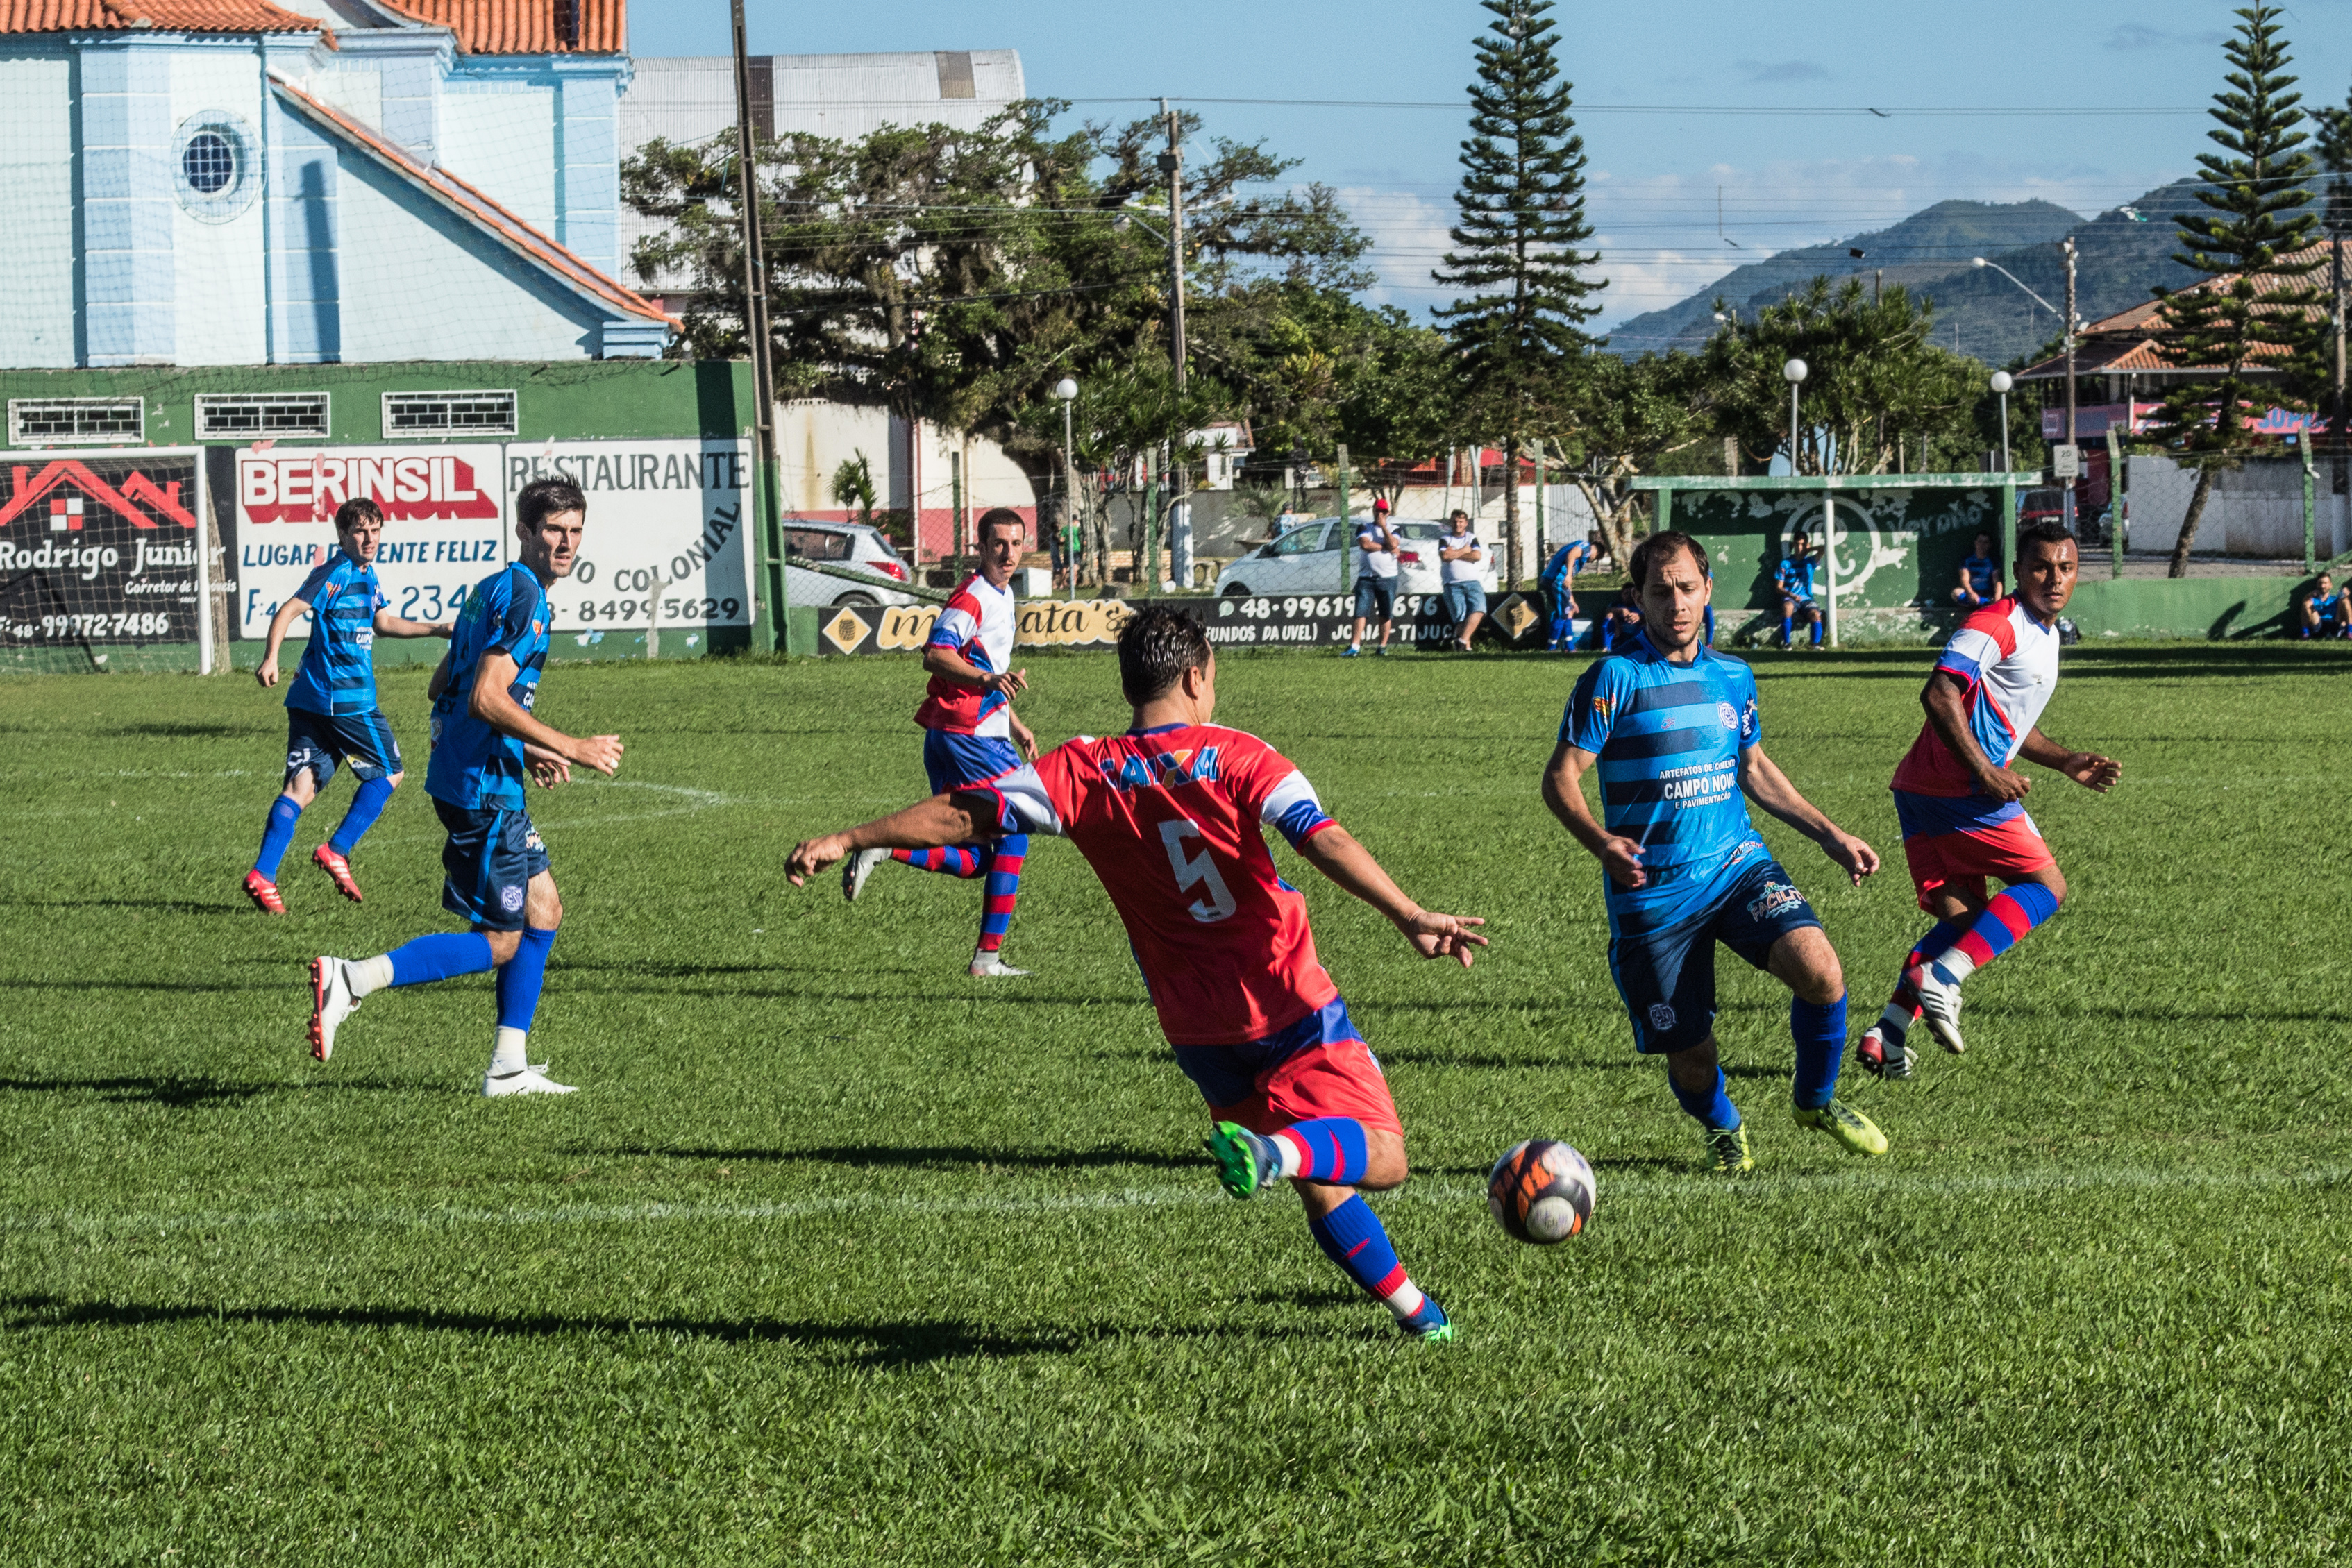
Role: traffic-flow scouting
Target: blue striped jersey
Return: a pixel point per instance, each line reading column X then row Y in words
column 1668, row 737
column 338, row 672
column 474, row 766
column 1794, row 577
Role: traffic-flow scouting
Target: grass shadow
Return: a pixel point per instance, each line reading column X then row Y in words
column 168, row 729
column 167, row 905
column 181, row 1094
column 883, row 1157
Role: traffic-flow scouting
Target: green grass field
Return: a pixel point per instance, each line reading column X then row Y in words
column 843, row 1257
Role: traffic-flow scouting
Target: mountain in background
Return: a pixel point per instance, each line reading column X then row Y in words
column 2119, row 259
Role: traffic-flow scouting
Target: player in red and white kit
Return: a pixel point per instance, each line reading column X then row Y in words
column 1170, row 816
column 1962, row 806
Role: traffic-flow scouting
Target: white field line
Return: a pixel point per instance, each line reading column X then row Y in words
column 1695, row 1188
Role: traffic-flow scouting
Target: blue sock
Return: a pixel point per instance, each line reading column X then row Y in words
column 1787, row 631
column 1352, row 1237
column 1820, row 1045
column 366, row 807
column 1713, row 1107
column 1330, row 1149
column 1817, row 632
column 520, row 977
column 423, row 960
column 277, row 836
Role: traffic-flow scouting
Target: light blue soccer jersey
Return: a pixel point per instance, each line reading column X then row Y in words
column 475, row 765
column 337, row 671
column 1795, row 578
column 1668, row 737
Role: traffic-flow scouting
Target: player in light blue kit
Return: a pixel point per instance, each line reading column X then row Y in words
column 485, row 744
column 1793, row 578
column 331, row 715
column 1673, row 727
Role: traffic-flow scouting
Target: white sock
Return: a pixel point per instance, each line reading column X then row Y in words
column 1955, row 962
column 1294, row 1154
column 506, row 1056
column 365, row 977
column 1405, row 1300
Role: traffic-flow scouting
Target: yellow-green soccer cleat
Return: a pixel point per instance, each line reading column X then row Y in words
column 1849, row 1127
column 1727, row 1149
column 1247, row 1162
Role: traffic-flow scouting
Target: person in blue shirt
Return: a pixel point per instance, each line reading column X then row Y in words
column 1671, row 726
column 2326, row 613
column 1559, row 580
column 486, row 744
column 331, row 715
column 1979, row 576
column 1794, row 578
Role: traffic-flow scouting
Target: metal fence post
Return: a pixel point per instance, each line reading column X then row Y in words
column 1347, row 538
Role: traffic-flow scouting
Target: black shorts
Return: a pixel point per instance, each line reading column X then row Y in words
column 315, row 742
column 488, row 864
column 1666, row 975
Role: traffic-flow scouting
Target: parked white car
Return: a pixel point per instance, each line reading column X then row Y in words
column 845, row 547
column 1306, row 559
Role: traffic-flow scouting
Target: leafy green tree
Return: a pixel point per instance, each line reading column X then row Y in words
column 853, row 485
column 1520, row 220
column 1627, row 417
column 1121, row 421
column 2250, row 314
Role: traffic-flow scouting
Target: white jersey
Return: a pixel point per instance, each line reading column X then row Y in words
column 1461, row 570
column 977, row 625
column 1371, row 561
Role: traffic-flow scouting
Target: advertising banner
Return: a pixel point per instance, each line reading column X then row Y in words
column 667, row 546
column 1272, row 621
column 445, row 525
column 99, row 549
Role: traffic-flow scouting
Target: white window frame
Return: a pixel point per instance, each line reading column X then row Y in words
column 207, row 403
column 18, row 407
column 451, row 431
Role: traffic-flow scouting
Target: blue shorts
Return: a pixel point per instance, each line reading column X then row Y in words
column 488, row 864
column 1666, row 975
column 1462, row 598
column 315, row 742
column 954, row 761
column 1375, row 598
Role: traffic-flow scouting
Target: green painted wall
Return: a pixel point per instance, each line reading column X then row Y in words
column 2203, row 607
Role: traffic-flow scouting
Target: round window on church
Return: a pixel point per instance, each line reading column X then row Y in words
column 213, row 160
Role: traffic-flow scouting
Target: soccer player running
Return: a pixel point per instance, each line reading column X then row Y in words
column 1672, row 724
column 970, row 731
column 1794, row 578
column 485, row 742
column 331, row 706
column 1961, row 805
column 1168, row 815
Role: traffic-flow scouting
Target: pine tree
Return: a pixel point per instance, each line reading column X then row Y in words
column 2335, row 154
column 2251, row 314
column 1521, row 217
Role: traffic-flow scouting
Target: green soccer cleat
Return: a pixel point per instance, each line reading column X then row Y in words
column 1247, row 1162
column 1430, row 1325
column 1727, row 1149
column 1849, row 1127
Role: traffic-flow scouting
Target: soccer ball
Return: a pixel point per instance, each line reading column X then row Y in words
column 1540, row 1191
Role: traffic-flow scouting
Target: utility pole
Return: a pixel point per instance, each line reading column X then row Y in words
column 2070, row 375
column 755, row 328
column 2342, row 484
column 1180, row 507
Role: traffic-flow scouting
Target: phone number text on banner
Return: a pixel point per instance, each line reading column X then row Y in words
column 1293, row 620
column 666, row 545
column 99, row 549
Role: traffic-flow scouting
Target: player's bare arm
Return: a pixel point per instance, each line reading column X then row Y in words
column 1335, row 852
column 1563, row 792
column 1762, row 781
column 494, row 705
column 2088, row 768
column 955, row 817
column 387, row 625
column 267, row 673
column 1946, row 699
column 440, row 681
column 547, row 769
column 954, row 666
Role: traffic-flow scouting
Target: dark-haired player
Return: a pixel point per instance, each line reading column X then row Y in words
column 970, row 731
column 485, row 742
column 331, row 706
column 1962, row 806
column 1170, row 816
column 1671, row 726
column 1793, row 579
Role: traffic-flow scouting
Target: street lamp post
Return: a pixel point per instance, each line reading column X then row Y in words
column 1068, row 391
column 1979, row 261
column 2001, row 382
column 1795, row 370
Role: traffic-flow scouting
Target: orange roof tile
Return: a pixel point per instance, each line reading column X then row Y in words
column 478, row 208
column 179, row 15
column 526, row 27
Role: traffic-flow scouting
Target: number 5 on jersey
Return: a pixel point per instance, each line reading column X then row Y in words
column 1200, row 869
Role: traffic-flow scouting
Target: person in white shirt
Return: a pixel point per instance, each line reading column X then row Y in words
column 1376, row 576
column 1465, row 594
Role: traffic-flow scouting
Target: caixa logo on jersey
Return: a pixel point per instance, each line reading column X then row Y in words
column 307, row 487
column 1166, row 770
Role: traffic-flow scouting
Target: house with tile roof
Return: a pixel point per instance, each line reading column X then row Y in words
column 265, row 182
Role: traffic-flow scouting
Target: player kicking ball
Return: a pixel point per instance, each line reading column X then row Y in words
column 1168, row 815
column 1962, row 806
column 970, row 731
column 485, row 743
column 331, row 706
column 1673, row 727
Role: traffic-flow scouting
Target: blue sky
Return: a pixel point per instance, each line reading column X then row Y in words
column 1784, row 180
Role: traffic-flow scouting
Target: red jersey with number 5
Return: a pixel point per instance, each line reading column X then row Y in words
column 1170, row 820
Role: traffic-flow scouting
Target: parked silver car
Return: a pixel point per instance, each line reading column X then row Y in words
column 842, row 546
column 1306, row 559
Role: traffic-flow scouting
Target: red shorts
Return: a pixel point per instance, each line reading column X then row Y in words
column 1317, row 1066
column 1959, row 863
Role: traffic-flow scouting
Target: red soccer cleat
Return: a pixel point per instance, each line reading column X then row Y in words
column 264, row 893
column 336, row 866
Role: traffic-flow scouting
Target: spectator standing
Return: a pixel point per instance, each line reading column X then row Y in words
column 1466, row 595
column 1979, row 576
column 1376, row 579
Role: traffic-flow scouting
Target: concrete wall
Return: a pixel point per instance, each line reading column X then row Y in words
column 221, row 299
column 37, row 243
column 814, row 438
column 2256, row 510
column 500, row 133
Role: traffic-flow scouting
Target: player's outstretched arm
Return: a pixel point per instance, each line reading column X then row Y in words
column 440, row 681
column 493, row 705
column 946, row 662
column 956, row 818
column 1761, row 779
column 266, row 671
column 387, row 625
column 1946, row 699
column 2088, row 768
column 1335, row 852
column 1563, row 792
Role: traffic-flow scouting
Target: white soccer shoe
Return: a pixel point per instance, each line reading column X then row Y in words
column 857, row 868
column 989, row 966
column 531, row 1080
column 331, row 1003
column 1939, row 1005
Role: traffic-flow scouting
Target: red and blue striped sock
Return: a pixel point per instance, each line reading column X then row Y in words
column 1327, row 1149
column 1903, row 1007
column 1003, row 891
column 2013, row 912
column 1352, row 1237
column 957, row 859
